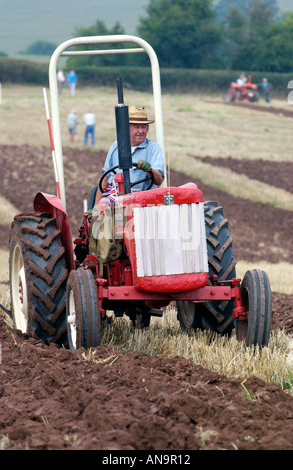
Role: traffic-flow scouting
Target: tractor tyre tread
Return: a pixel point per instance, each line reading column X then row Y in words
column 218, row 315
column 46, row 275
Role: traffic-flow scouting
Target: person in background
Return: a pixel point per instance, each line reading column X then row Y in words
column 266, row 87
column 90, row 122
column 72, row 80
column 72, row 122
column 60, row 80
column 146, row 153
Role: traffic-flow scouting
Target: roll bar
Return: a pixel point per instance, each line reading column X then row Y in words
column 61, row 50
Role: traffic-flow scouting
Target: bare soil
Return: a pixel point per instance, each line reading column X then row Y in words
column 52, row 399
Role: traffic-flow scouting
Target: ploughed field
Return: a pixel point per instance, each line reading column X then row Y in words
column 51, row 398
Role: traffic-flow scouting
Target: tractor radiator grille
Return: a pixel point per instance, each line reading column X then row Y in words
column 170, row 239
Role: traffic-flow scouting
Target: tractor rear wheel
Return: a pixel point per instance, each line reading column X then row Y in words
column 216, row 316
column 256, row 298
column 83, row 315
column 38, row 275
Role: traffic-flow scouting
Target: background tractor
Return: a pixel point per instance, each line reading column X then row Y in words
column 241, row 92
column 133, row 256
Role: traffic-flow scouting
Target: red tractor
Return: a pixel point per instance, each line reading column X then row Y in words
column 242, row 90
column 134, row 256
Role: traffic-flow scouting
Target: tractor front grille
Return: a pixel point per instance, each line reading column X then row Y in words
column 170, row 239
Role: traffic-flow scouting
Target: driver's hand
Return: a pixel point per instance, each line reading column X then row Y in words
column 90, row 213
column 143, row 165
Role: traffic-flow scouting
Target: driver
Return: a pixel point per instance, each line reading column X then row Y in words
column 146, row 153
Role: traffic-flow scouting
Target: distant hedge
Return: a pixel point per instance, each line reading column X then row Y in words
column 177, row 80
column 139, row 78
column 23, row 71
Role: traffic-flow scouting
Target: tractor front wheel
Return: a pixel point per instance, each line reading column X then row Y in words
column 254, row 328
column 83, row 315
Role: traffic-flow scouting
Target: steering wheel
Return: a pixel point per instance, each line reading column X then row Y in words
column 148, row 178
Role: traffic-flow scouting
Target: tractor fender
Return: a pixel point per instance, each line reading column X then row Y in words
column 44, row 202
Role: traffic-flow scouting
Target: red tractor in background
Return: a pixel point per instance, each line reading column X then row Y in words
column 242, row 90
column 134, row 256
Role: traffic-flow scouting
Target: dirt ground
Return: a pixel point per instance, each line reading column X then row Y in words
column 53, row 399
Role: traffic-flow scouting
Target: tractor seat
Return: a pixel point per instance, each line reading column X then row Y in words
column 92, row 198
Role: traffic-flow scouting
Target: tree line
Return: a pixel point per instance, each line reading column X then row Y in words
column 199, row 34
column 202, row 34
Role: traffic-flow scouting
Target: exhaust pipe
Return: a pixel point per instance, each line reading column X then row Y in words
column 123, row 137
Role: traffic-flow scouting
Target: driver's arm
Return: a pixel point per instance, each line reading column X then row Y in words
column 158, row 177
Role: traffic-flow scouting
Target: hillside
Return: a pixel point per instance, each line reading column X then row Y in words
column 22, row 23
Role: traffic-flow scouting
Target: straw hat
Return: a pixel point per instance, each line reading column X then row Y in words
column 138, row 115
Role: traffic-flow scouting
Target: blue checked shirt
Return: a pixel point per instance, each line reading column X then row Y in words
column 147, row 150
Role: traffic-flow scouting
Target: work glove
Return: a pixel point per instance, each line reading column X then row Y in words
column 90, row 213
column 143, row 165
